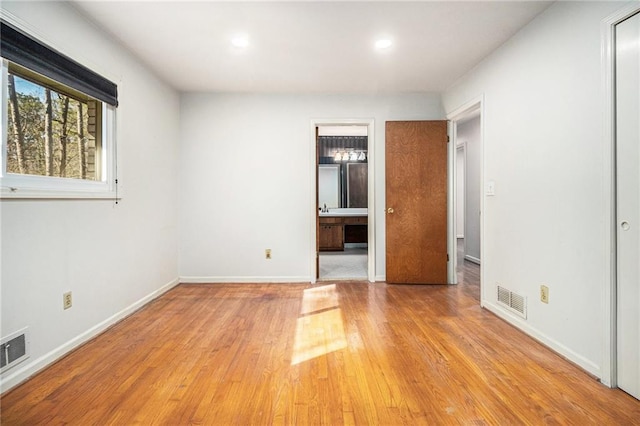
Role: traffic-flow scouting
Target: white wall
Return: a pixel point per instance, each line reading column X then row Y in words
column 468, row 133
column 246, row 179
column 543, row 142
column 112, row 257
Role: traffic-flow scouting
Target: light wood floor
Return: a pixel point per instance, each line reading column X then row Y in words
column 352, row 353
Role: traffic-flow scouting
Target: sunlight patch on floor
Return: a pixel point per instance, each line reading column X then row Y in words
column 319, row 298
column 320, row 328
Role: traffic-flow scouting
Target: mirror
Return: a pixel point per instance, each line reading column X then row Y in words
column 329, row 193
column 342, row 172
column 357, row 185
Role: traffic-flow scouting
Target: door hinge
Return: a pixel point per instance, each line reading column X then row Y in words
column 448, row 139
column 447, row 257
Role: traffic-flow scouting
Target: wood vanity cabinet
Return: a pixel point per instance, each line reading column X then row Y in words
column 354, row 220
column 355, row 229
column 331, row 234
column 335, row 231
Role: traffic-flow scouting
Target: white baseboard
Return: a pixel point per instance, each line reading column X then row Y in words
column 552, row 344
column 218, row 280
column 28, row 369
column 472, row 259
column 380, row 278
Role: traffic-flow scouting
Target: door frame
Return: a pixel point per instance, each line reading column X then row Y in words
column 609, row 370
column 371, row 228
column 458, row 114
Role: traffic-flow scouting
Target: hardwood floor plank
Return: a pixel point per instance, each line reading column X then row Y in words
column 349, row 353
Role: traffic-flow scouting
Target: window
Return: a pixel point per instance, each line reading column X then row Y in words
column 51, row 132
column 57, row 124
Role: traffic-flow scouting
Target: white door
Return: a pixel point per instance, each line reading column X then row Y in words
column 628, row 202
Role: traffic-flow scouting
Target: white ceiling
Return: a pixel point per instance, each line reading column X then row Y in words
column 311, row 47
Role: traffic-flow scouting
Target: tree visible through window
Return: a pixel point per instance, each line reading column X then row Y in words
column 52, row 130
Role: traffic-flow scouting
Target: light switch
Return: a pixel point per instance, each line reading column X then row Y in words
column 490, row 188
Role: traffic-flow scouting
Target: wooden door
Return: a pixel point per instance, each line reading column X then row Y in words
column 416, row 201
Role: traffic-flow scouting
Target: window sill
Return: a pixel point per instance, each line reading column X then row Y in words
column 14, row 187
column 37, row 194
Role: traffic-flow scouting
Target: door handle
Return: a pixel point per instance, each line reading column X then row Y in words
column 390, row 210
column 625, row 225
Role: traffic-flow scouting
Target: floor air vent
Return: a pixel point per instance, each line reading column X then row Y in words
column 513, row 301
column 13, row 349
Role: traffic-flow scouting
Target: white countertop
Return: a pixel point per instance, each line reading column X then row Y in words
column 345, row 212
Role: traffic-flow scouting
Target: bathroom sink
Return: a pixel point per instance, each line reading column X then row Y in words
column 345, row 212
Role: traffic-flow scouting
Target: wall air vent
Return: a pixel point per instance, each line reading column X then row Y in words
column 513, row 301
column 13, row 349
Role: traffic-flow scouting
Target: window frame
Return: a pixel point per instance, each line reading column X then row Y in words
column 18, row 186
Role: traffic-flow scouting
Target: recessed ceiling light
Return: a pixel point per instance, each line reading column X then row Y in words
column 383, row 43
column 240, row 41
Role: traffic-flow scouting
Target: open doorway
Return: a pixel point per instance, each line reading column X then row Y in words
column 314, row 253
column 468, row 189
column 460, row 196
column 342, row 202
column 468, row 138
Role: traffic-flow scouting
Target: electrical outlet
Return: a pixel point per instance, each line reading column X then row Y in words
column 544, row 294
column 267, row 253
column 67, row 300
